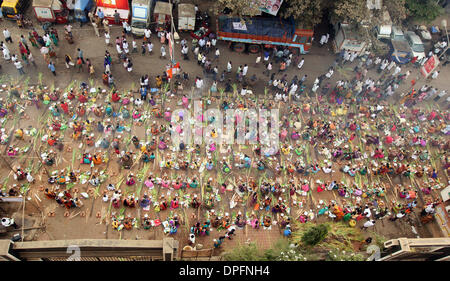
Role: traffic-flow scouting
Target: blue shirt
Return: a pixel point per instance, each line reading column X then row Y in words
column 144, row 91
column 100, row 14
column 51, row 67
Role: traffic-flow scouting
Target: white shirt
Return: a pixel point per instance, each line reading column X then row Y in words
column 300, row 64
column 269, row 66
column 244, row 70
column 30, row 178
column 147, row 33
column 315, row 87
column 435, row 75
column 199, row 83
column 150, row 47
column 6, row 33
column 18, row 64
column 217, row 52
column 368, row 224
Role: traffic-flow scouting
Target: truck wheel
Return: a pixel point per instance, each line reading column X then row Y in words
column 254, row 49
column 239, row 47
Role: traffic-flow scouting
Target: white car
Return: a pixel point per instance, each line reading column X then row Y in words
column 417, row 47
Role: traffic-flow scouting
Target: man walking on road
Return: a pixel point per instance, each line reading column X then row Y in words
column 7, row 35
column 51, row 66
column 19, row 67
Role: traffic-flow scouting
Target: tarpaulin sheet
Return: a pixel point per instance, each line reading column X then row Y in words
column 274, row 27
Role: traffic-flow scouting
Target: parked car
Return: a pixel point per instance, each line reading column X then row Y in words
column 416, row 45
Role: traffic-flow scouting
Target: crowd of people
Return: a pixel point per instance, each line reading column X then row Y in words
column 344, row 144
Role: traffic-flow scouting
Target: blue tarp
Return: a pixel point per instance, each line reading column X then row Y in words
column 275, row 27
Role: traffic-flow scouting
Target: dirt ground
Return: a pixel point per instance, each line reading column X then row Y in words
column 60, row 227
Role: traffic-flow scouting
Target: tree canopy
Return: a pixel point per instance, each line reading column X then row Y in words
column 423, row 10
column 309, row 12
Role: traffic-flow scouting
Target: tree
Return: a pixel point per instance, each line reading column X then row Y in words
column 315, row 235
column 308, row 12
column 397, row 10
column 423, row 10
column 239, row 8
column 350, row 11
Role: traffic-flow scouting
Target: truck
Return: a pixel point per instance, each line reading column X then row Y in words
column 50, row 11
column 349, row 39
column 384, row 30
column 186, row 17
column 109, row 7
column 162, row 15
column 400, row 51
column 254, row 32
column 82, row 8
column 140, row 16
column 12, row 8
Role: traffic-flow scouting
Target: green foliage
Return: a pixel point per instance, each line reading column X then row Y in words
column 397, row 10
column 336, row 255
column 280, row 251
column 423, row 10
column 239, row 7
column 350, row 11
column 315, row 235
column 283, row 251
column 248, row 252
column 308, row 12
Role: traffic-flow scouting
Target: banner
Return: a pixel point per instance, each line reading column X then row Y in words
column 270, row 6
column 239, row 26
column 430, row 65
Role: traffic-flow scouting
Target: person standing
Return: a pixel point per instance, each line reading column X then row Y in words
column 229, row 67
column 107, row 38
column 150, row 47
column 31, row 59
column 217, row 54
column 24, row 42
column 129, row 66
column 80, row 55
column 7, row 35
column 68, row 61
column 79, row 65
column 94, row 24
column 19, row 67
column 440, row 95
column 435, row 74
column 105, row 23
column 147, row 34
column 163, row 52
column 258, row 60
column 143, row 48
column 300, row 64
column 143, row 92
column 268, row 69
column 100, row 14
column 134, row 46
column 244, row 70
column 116, row 17
column 52, row 68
